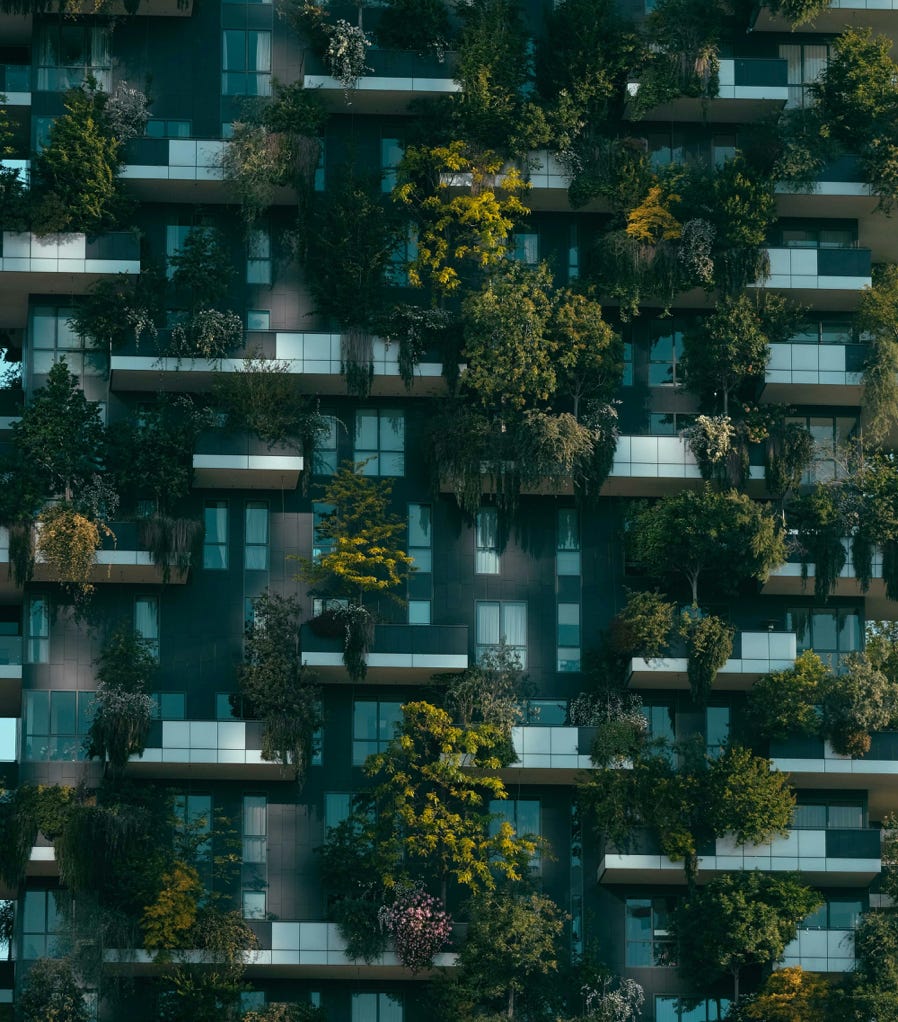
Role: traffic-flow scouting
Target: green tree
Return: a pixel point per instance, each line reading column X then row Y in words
column 737, row 920
column 202, row 270
column 51, row 993
column 643, row 627
column 513, row 943
column 878, row 319
column 361, row 536
column 74, row 179
column 435, row 812
column 709, row 644
column 122, row 707
column 858, row 700
column 784, row 703
column 725, row 538
column 277, row 685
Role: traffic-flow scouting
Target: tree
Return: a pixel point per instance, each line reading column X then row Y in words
column 360, row 536
column 784, row 703
column 512, row 943
column 277, row 685
column 724, row 537
column 122, row 707
column 709, row 643
column 789, row 995
column 642, row 628
column 878, row 319
column 858, row 700
column 74, row 178
column 51, row 993
column 434, row 813
column 737, row 920
column 728, row 348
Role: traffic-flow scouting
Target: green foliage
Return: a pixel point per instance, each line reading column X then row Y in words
column 737, row 920
column 74, row 179
column 783, row 703
column 277, row 686
column 642, row 628
column 24, row 813
column 119, row 311
column 13, row 195
column 170, row 542
column 878, row 319
column 725, row 538
column 621, row 726
column 362, row 535
column 51, row 993
column 818, row 517
column 788, row 452
column 709, row 643
column 746, row 798
column 202, row 271
column 122, row 707
column 169, row 920
column 513, row 943
column 261, row 398
column 349, row 249
column 434, row 813
column 463, row 212
column 856, row 702
column 205, row 333
column 789, row 995
column 714, row 443
column 419, row 25
column 798, row 13
column 281, row 1012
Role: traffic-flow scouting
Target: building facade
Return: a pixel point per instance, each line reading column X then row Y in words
column 544, row 578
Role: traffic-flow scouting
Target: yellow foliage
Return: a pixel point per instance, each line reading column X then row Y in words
column 789, row 995
column 652, row 220
column 68, row 542
column 171, row 917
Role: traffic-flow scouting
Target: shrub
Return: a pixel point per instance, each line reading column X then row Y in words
column 709, row 643
column 419, row 926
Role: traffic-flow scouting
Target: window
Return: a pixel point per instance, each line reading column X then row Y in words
column 337, row 807
column 320, row 168
column 665, row 352
column 38, row 646
column 573, row 255
column 146, row 621
column 391, row 153
column 420, row 539
column 374, row 726
column 321, row 544
column 258, row 256
column 402, row 256
column 831, row 435
column 255, row 828
column 567, row 542
column 258, row 319
column 380, row 441
column 42, row 919
column 830, row 633
column 169, row 705
column 568, row 637
column 544, row 712
column 156, row 128
column 55, row 725
column 717, row 728
column 175, row 236
column 324, row 457
column 193, row 814
column 215, row 542
column 255, row 539
column 53, row 340
column 525, row 248
column 627, row 377
column 67, row 54
column 835, row 914
column 659, row 721
column 839, row 330
column 376, row 1008
column 712, row 1009
column 829, row 814
column 486, row 557
column 648, row 931
column 524, row 816
column 804, row 65
column 245, row 63
column 500, row 623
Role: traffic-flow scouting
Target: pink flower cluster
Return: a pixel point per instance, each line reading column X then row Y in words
column 419, row 926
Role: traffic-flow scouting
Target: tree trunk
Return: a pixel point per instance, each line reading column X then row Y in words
column 735, row 986
column 693, row 581
column 510, row 1013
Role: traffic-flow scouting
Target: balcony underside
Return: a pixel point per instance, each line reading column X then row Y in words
column 10, row 690
column 386, row 668
column 134, row 567
column 877, row 606
column 797, row 393
column 149, row 766
column 654, row 869
column 246, row 471
column 379, row 95
column 878, row 778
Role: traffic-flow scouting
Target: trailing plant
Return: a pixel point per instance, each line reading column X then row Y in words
column 205, row 333
column 25, row 812
column 358, row 635
column 416, row 330
column 122, row 707
column 709, row 644
column 799, row 12
column 282, row 1012
column 821, row 527
column 171, row 542
column 119, row 311
column 276, row 684
column 788, row 454
column 419, row 925
column 347, row 51
column 621, row 726
column 67, row 541
column 710, row 440
column 21, row 551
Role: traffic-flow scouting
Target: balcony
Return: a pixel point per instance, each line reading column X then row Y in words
column 312, row 359
column 228, row 462
column 293, row 949
column 214, row 749
column 394, row 79
column 15, row 84
column 748, row 88
column 839, row 191
column 177, row 170
column 755, row 654
column 813, row 764
column 845, row 858
column 549, row 754
column 400, row 654
column 816, row 374
column 820, row 951
column 875, row 14
column 120, row 560
column 804, row 272
column 64, row 263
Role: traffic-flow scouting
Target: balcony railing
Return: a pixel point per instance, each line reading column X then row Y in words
column 226, row 749
column 821, row 951
column 116, row 252
column 819, row 269
column 398, row 653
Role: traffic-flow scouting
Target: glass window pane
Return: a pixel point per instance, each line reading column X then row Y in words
column 172, row 705
column 419, row 525
column 364, row 720
column 337, row 805
column 568, row 530
column 37, row 713
column 568, row 624
column 390, row 1008
column 256, row 523
column 255, row 814
column 390, row 717
column 849, row 631
column 487, row 624
column 392, row 430
column 365, row 430
column 216, row 518
column 62, row 713
column 253, row 904
column 233, row 57
column 364, row 1008
column 146, row 617
column 824, row 629
column 844, row 912
column 419, row 612
column 514, row 623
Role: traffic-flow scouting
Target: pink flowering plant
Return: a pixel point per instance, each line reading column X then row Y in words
column 419, row 926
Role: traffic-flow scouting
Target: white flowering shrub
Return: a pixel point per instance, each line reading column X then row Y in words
column 419, row 926
column 346, row 53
